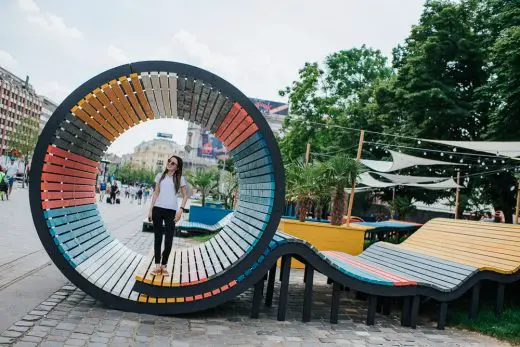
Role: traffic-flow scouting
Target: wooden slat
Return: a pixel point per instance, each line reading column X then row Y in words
column 65, row 203
column 148, row 90
column 67, row 171
column 197, row 93
column 96, row 105
column 181, row 86
column 172, row 82
column 133, row 100
column 213, row 257
column 192, row 266
column 90, row 112
column 83, row 267
column 63, row 187
column 176, row 273
column 188, row 97
column 103, row 98
column 136, row 83
column 143, row 274
column 123, row 100
column 91, row 122
column 157, row 94
column 204, row 113
column 185, row 278
column 110, row 93
column 126, row 281
column 210, row 270
column 247, row 133
column 165, row 93
column 78, row 158
column 228, row 120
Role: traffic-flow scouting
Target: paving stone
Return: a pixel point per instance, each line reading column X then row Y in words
column 23, row 323
column 6, row 340
column 66, row 326
column 29, row 338
column 31, row 318
column 38, row 313
column 25, row 344
column 75, row 342
column 11, row 333
column 37, row 333
column 49, row 322
column 18, row 328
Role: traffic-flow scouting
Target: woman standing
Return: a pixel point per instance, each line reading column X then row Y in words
column 164, row 208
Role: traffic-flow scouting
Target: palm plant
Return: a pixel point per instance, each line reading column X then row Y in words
column 205, row 181
column 340, row 172
column 403, row 206
column 304, row 184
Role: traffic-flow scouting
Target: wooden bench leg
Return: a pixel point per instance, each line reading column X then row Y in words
column 257, row 298
column 334, row 307
column 475, row 297
column 307, row 296
column 270, row 286
column 442, row 316
column 405, row 314
column 284, row 287
column 499, row 307
column 414, row 311
column 386, row 306
column 329, row 280
column 371, row 314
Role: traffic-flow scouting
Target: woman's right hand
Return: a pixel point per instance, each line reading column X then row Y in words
column 150, row 215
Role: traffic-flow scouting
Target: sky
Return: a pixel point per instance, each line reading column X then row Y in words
column 258, row 46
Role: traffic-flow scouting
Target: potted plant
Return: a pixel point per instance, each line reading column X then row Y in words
column 304, row 182
column 204, row 181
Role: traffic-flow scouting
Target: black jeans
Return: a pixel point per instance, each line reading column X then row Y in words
column 158, row 215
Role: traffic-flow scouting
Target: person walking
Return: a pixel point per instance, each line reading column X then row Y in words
column 114, row 190
column 4, row 186
column 139, row 195
column 164, row 207
column 11, row 170
column 102, row 190
column 146, row 194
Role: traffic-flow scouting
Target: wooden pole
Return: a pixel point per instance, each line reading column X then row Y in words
column 457, row 197
column 353, row 190
column 393, row 203
column 307, row 153
column 517, row 202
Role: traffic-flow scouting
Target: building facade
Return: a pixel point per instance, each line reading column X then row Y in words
column 48, row 108
column 18, row 100
column 154, row 154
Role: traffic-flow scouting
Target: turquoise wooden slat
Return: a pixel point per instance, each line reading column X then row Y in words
column 257, row 179
column 258, row 186
column 241, row 150
column 262, row 217
column 54, row 222
column 251, row 221
column 256, row 200
column 256, row 172
column 255, row 160
column 81, row 239
column 232, row 243
column 255, row 165
column 62, row 238
column 67, row 210
column 95, row 248
column 86, row 245
column 255, row 207
column 226, row 249
column 258, row 154
column 74, row 225
column 241, row 232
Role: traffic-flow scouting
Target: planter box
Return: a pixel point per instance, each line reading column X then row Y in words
column 207, row 215
column 326, row 237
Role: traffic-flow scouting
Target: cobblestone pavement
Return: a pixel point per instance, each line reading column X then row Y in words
column 71, row 318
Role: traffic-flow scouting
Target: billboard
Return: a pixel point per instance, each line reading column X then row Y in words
column 210, row 146
column 271, row 107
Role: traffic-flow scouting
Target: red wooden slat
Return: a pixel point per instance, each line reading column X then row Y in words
column 234, row 123
column 67, row 203
column 72, row 156
column 67, row 187
column 67, row 195
column 238, row 131
column 246, row 134
column 48, row 177
column 227, row 120
column 66, row 171
column 53, row 159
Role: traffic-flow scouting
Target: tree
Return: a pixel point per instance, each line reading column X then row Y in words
column 23, row 139
column 336, row 93
column 204, row 181
column 228, row 187
column 403, row 206
column 340, row 172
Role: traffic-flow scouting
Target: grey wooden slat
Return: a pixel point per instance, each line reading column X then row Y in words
column 197, row 93
column 203, row 102
column 213, row 257
column 210, row 104
column 234, row 241
column 172, row 83
column 229, row 250
column 148, row 91
column 188, row 97
column 181, row 86
column 176, row 273
column 165, row 92
column 247, row 237
column 224, row 260
column 210, row 270
column 253, row 231
column 86, row 128
column 209, row 119
column 85, row 150
column 121, row 261
column 73, row 138
column 192, row 266
column 157, row 94
column 133, row 296
column 201, row 270
column 128, row 276
column 219, row 117
column 78, row 132
column 185, row 278
column 81, row 268
column 101, row 260
column 107, row 265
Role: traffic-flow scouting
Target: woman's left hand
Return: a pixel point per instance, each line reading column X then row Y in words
column 178, row 215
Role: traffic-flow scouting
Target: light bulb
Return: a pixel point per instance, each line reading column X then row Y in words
column 454, row 149
column 442, row 154
column 419, row 142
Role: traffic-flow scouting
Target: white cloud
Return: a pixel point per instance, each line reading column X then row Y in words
column 117, row 54
column 54, row 90
column 47, row 21
column 8, row 61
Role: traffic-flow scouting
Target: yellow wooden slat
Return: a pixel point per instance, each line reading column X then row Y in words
column 76, row 111
column 94, row 114
column 98, row 106
column 140, row 95
column 115, row 101
column 123, row 100
column 111, row 108
column 133, row 100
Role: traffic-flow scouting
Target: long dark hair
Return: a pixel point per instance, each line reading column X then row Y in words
column 177, row 173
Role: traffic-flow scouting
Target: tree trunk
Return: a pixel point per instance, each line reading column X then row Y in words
column 303, row 211
column 203, row 198
column 297, row 209
column 338, row 207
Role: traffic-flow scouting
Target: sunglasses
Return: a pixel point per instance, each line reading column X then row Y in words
column 171, row 162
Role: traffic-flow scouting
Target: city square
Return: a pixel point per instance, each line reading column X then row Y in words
column 181, row 185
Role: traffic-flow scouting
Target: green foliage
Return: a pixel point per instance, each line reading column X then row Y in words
column 24, row 137
column 228, row 186
column 129, row 174
column 205, row 182
column 340, row 172
column 403, row 206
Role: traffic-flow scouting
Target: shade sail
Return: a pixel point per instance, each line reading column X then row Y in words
column 503, row 148
column 402, row 179
column 401, row 161
column 368, row 180
column 448, row 184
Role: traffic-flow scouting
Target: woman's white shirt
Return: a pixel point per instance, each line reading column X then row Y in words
column 167, row 197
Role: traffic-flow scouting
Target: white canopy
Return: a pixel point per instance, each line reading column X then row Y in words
column 402, row 179
column 401, row 161
column 366, row 179
column 503, row 148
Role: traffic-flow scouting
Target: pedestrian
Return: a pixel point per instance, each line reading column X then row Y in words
column 102, row 190
column 146, row 194
column 139, row 195
column 164, row 207
column 11, row 171
column 133, row 191
column 4, row 186
column 114, row 190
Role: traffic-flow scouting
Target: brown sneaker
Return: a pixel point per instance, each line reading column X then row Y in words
column 164, row 271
